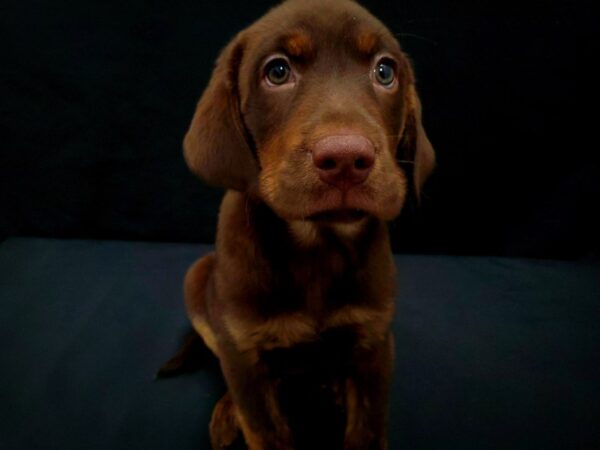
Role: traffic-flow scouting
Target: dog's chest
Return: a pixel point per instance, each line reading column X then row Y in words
column 329, row 354
column 302, row 337
column 301, row 299
column 322, row 283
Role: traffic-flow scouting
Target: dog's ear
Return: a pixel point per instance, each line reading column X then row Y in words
column 217, row 146
column 414, row 144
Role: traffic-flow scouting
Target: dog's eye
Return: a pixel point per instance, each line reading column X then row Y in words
column 384, row 73
column 278, row 71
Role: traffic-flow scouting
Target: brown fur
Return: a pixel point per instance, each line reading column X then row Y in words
column 287, row 287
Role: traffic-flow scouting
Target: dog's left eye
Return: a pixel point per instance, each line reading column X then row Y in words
column 385, row 73
column 278, row 71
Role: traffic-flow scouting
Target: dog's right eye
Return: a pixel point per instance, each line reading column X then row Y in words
column 278, row 71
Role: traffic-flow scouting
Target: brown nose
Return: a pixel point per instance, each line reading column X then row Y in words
column 344, row 161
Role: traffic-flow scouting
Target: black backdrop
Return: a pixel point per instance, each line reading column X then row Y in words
column 95, row 97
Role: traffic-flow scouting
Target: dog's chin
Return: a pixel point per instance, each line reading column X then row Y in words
column 325, row 205
column 324, row 213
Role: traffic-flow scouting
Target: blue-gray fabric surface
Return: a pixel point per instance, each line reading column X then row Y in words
column 491, row 353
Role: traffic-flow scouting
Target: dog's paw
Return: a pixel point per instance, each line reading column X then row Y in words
column 224, row 429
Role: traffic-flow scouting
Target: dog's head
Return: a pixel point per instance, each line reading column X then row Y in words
column 311, row 108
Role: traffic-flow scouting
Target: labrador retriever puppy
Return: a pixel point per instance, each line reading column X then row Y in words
column 304, row 121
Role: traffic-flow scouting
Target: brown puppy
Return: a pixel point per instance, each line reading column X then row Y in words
column 305, row 117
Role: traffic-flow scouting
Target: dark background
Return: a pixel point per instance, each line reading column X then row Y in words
column 96, row 96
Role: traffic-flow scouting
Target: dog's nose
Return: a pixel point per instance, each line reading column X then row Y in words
column 343, row 161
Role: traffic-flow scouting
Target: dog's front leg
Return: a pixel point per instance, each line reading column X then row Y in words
column 367, row 390
column 257, row 409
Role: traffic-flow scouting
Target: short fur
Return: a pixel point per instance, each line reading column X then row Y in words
column 294, row 298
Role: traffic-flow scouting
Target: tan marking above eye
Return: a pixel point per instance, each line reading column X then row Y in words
column 298, row 44
column 367, row 43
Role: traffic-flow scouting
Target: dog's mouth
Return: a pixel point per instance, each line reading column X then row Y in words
column 324, row 204
column 339, row 216
column 335, row 206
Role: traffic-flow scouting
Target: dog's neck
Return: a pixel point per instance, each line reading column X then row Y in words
column 281, row 241
column 302, row 260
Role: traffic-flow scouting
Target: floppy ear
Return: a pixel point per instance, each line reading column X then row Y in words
column 414, row 144
column 217, row 146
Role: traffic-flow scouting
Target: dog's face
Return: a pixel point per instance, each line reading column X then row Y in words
column 310, row 108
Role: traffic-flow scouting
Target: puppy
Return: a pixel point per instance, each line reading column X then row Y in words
column 304, row 120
